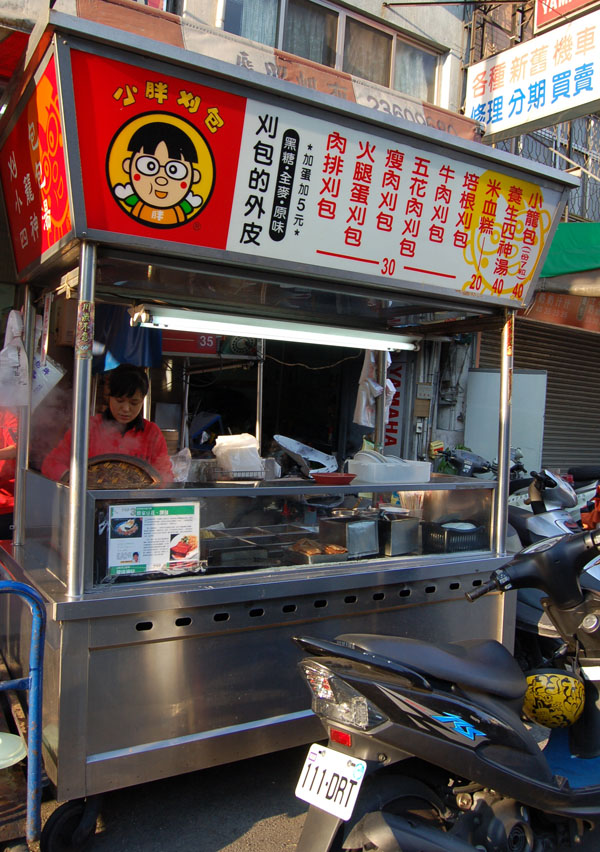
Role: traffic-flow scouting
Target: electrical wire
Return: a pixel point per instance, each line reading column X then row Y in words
column 308, row 367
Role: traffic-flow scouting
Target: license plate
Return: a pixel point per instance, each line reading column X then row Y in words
column 331, row 780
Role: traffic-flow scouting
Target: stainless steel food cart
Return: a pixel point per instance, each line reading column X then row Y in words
column 147, row 678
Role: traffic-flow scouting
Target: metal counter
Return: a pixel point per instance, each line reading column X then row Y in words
column 148, row 680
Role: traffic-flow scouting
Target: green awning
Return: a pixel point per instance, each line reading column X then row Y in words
column 575, row 248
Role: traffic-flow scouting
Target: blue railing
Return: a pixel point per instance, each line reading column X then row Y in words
column 33, row 683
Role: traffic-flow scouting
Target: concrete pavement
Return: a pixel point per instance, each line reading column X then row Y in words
column 248, row 806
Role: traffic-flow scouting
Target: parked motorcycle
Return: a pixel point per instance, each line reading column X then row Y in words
column 428, row 748
column 517, row 470
column 461, row 462
column 547, row 514
column 585, row 480
column 549, row 497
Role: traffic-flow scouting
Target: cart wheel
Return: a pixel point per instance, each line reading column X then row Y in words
column 60, row 833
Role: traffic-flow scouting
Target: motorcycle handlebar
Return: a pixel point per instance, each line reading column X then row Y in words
column 552, row 565
column 482, row 590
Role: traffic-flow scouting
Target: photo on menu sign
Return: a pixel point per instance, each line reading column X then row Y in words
column 183, row 547
column 126, row 528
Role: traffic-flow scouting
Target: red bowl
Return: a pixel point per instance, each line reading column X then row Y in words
column 333, row 478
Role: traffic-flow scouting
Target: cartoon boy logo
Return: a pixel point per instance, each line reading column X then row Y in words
column 160, row 170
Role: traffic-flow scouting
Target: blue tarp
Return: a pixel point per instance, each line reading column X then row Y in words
column 124, row 344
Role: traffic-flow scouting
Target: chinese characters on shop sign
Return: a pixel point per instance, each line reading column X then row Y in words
column 552, row 74
column 359, row 202
column 32, row 168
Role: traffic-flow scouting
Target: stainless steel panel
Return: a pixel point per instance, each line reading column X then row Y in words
column 359, row 536
column 46, row 521
column 398, row 536
column 157, row 684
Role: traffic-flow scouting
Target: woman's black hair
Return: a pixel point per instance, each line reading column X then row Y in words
column 127, row 380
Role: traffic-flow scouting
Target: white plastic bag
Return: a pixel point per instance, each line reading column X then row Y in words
column 182, row 463
column 238, row 453
column 14, row 372
column 369, row 390
column 44, row 378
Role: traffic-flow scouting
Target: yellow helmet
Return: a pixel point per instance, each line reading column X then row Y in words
column 553, row 698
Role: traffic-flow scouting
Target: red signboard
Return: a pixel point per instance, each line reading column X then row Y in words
column 33, row 174
column 563, row 309
column 159, row 154
column 189, row 343
column 549, row 12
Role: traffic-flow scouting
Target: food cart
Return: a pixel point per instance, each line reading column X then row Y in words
column 187, row 662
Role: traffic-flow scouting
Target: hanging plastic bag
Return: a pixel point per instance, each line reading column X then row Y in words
column 44, row 378
column 14, row 372
column 182, row 463
column 369, row 390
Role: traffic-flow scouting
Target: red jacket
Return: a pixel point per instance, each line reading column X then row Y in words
column 106, row 437
column 8, row 437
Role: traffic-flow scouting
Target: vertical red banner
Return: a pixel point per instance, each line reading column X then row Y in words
column 33, row 174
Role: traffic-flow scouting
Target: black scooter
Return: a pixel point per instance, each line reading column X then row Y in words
column 428, row 748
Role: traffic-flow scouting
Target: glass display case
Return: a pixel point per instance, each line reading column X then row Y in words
column 219, row 530
column 226, row 529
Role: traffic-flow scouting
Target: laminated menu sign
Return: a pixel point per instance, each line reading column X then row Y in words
column 160, row 537
column 172, row 159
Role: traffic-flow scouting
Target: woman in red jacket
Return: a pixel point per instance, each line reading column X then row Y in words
column 120, row 430
column 8, row 452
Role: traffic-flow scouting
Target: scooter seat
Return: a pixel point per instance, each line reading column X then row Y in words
column 485, row 666
column 584, row 473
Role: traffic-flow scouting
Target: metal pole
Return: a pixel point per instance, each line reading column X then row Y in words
column 84, row 336
column 184, row 428
column 260, row 352
column 382, row 360
column 506, row 380
column 22, row 462
column 147, row 404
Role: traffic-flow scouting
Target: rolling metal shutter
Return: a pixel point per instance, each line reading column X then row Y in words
column 570, row 358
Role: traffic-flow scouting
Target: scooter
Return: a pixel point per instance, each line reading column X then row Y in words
column 428, row 747
column 549, row 498
column 460, row 462
column 517, row 470
column 584, row 479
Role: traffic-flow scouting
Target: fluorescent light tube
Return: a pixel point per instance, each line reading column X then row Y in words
column 150, row 316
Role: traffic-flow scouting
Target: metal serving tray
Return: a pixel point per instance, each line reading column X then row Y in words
column 316, row 558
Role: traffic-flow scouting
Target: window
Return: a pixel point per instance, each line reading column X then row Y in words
column 415, row 71
column 329, row 35
column 311, row 31
column 173, row 6
column 367, row 52
column 257, row 20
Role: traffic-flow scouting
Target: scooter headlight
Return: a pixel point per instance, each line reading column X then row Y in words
column 337, row 701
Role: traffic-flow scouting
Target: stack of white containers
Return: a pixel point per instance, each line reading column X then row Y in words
column 371, row 466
